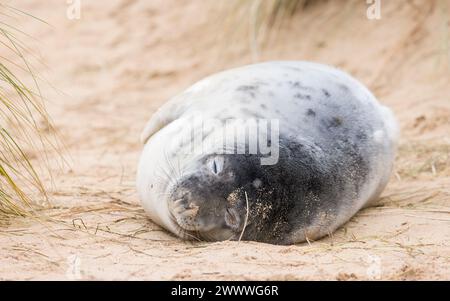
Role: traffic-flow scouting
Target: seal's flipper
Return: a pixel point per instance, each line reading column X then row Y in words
column 156, row 122
column 170, row 111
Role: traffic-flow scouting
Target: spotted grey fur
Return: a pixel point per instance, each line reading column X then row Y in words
column 337, row 146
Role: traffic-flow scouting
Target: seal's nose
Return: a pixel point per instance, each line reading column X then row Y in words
column 182, row 206
column 185, row 213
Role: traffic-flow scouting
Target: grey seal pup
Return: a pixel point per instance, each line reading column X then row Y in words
column 328, row 151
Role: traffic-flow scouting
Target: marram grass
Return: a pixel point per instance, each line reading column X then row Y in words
column 256, row 19
column 22, row 117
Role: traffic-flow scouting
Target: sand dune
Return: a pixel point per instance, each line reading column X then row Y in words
column 122, row 59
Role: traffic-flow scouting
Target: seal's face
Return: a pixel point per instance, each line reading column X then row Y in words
column 233, row 196
column 212, row 203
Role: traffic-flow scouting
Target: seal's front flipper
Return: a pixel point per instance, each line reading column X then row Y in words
column 178, row 105
column 169, row 112
column 156, row 122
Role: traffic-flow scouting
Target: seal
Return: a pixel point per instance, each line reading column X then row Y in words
column 328, row 150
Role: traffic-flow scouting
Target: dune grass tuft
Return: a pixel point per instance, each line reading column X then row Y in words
column 24, row 122
column 255, row 20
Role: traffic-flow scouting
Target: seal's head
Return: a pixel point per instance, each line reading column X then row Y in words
column 208, row 203
column 215, row 197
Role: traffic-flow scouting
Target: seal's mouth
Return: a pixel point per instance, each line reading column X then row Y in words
column 182, row 230
column 189, row 225
column 232, row 219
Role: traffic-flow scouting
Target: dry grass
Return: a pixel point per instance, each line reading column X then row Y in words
column 24, row 123
column 256, row 21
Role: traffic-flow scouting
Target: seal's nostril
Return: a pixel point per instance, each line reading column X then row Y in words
column 185, row 213
column 192, row 210
column 178, row 202
column 184, row 207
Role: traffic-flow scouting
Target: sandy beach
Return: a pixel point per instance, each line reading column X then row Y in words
column 114, row 66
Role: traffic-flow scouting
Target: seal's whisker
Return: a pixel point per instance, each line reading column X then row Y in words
column 169, row 163
column 206, row 236
column 177, row 202
column 163, row 193
column 230, row 238
column 162, row 181
column 160, row 176
column 168, row 177
column 180, row 170
column 183, row 233
column 246, row 216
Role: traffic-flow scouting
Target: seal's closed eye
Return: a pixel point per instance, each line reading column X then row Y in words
column 216, row 165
